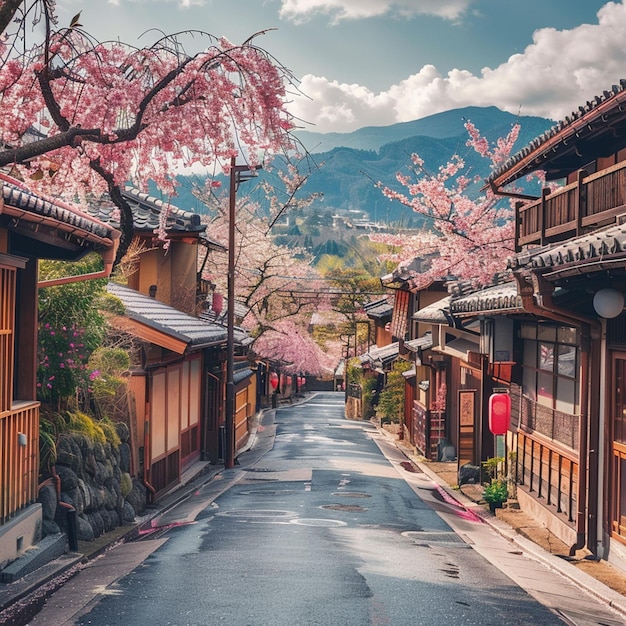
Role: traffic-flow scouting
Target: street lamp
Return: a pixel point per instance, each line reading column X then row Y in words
column 238, row 174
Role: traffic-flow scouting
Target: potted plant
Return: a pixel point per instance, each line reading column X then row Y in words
column 495, row 493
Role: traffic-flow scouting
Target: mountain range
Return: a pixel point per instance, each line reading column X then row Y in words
column 349, row 164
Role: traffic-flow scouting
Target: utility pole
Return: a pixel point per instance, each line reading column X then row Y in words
column 237, row 175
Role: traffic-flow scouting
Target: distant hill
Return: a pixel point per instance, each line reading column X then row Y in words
column 439, row 126
column 351, row 163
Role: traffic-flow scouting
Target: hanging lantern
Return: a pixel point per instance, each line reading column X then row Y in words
column 274, row 380
column 217, row 305
column 499, row 413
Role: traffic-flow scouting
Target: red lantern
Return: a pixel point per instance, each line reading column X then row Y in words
column 499, row 413
column 218, row 303
column 274, row 380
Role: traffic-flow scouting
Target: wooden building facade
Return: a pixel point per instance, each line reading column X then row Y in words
column 31, row 228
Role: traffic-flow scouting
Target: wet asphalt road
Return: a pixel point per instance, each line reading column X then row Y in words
column 321, row 524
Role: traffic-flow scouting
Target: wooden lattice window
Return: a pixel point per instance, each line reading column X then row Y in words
column 7, row 320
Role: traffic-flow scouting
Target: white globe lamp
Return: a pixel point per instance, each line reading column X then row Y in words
column 608, row 303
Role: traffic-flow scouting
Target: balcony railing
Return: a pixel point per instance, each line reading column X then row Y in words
column 556, row 426
column 19, row 458
column 589, row 203
column 547, row 454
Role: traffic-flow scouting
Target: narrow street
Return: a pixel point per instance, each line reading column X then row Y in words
column 321, row 523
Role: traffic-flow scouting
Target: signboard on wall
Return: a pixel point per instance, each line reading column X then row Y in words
column 466, row 407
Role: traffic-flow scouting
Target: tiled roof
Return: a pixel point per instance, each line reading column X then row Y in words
column 381, row 356
column 463, row 302
column 240, row 336
column 146, row 213
column 378, row 309
column 496, row 298
column 241, row 371
column 593, row 123
column 168, row 320
column 18, row 196
column 422, row 343
column 241, row 310
column 596, row 251
column 405, row 273
column 460, row 288
column 211, row 244
column 433, row 313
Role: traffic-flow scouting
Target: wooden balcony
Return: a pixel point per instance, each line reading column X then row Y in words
column 19, row 458
column 574, row 210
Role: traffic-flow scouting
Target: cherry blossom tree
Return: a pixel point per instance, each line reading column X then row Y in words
column 83, row 117
column 467, row 236
column 278, row 286
column 288, row 343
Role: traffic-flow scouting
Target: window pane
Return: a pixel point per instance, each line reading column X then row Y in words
column 619, row 417
column 545, row 391
column 620, row 495
column 568, row 335
column 567, row 361
column 173, row 408
column 546, row 333
column 196, row 387
column 546, row 356
column 184, row 397
column 528, row 331
column 530, row 354
column 529, row 384
column 567, row 399
column 157, row 419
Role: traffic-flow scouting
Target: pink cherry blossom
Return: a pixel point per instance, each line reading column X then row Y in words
column 466, row 236
column 113, row 114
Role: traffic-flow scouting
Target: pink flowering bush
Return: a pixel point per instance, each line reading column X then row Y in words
column 62, row 363
column 70, row 329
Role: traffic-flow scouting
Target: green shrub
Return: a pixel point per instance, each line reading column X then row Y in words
column 110, row 432
column 97, row 431
column 391, row 403
column 496, row 491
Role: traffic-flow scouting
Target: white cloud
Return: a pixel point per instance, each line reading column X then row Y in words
column 301, row 10
column 555, row 74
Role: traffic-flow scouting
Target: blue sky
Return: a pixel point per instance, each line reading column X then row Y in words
column 378, row 62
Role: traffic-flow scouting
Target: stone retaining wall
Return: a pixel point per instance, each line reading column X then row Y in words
column 94, row 479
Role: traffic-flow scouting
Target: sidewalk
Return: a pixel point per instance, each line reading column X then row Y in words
column 45, row 580
column 601, row 579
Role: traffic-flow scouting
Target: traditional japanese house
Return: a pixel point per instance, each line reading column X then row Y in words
column 568, row 425
column 178, row 389
column 179, row 381
column 424, row 423
column 379, row 312
column 165, row 265
column 31, row 228
column 474, row 340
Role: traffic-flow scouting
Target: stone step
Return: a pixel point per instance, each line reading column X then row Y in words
column 49, row 548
